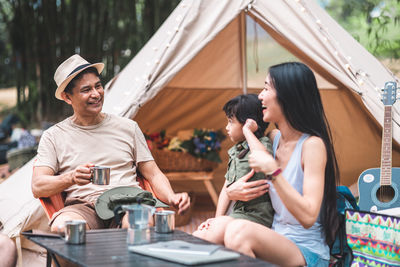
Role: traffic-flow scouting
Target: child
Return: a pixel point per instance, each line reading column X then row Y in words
column 258, row 210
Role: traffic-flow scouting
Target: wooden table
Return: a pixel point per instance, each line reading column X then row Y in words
column 108, row 247
column 206, row 177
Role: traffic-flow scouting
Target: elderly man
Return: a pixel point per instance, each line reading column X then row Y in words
column 90, row 137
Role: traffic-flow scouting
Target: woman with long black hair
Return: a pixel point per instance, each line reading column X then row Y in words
column 303, row 174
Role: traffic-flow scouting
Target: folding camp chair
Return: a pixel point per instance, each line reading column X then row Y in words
column 55, row 202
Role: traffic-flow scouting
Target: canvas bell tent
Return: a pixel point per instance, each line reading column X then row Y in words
column 199, row 59
column 202, row 56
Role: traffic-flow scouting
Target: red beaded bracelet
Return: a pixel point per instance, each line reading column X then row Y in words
column 273, row 175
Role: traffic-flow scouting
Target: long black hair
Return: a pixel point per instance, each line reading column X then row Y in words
column 298, row 95
column 244, row 107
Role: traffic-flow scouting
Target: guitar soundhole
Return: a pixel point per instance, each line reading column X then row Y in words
column 385, row 193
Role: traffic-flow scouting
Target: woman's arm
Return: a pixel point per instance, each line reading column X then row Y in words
column 244, row 190
column 305, row 208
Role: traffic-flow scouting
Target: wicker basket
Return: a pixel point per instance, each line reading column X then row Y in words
column 169, row 161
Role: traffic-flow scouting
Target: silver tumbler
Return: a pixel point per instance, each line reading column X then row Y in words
column 75, row 231
column 164, row 221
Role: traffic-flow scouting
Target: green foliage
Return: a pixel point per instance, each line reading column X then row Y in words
column 6, row 73
column 374, row 23
column 36, row 36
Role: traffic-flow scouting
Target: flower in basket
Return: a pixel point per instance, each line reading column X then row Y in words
column 175, row 144
column 204, row 144
column 158, row 139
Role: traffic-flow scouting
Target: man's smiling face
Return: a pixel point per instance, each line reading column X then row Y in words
column 87, row 96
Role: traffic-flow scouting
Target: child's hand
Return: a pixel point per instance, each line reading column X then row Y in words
column 250, row 125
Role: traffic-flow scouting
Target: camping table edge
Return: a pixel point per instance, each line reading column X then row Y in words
column 116, row 240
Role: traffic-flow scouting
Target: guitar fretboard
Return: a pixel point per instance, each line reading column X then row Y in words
column 386, row 153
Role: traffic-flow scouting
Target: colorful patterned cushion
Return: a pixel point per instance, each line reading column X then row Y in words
column 374, row 238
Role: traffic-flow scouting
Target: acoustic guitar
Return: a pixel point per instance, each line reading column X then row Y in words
column 379, row 187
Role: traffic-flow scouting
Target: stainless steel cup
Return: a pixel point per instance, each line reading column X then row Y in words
column 164, row 221
column 137, row 236
column 100, row 175
column 138, row 218
column 75, row 231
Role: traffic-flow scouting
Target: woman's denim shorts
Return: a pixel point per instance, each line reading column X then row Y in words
column 312, row 258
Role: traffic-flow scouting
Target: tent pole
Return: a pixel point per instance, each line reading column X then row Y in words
column 243, row 52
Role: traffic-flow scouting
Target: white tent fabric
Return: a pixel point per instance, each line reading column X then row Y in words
column 20, row 211
column 194, row 63
column 301, row 26
column 17, row 205
column 191, row 26
column 329, row 47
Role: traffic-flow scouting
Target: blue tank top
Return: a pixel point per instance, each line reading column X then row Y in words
column 284, row 222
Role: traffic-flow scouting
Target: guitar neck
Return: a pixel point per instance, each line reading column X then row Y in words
column 386, row 153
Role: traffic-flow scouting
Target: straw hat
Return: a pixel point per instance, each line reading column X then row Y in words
column 69, row 69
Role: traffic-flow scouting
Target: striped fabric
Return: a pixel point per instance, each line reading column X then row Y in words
column 374, row 238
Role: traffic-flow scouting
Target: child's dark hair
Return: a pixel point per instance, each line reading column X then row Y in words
column 244, row 107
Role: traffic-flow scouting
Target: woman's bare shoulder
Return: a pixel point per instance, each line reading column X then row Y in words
column 314, row 147
column 314, row 141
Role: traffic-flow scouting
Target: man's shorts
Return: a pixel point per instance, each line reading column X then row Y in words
column 87, row 211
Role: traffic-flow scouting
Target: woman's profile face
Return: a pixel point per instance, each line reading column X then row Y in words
column 271, row 108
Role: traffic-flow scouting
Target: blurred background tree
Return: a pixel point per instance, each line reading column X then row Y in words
column 373, row 23
column 37, row 35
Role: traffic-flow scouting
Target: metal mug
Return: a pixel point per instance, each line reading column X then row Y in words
column 138, row 218
column 164, row 221
column 75, row 231
column 100, row 175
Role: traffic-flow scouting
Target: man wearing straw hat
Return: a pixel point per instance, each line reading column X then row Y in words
column 90, row 137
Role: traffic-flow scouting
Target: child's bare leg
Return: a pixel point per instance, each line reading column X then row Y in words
column 216, row 231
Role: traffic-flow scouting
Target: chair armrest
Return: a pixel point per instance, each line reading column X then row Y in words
column 52, row 204
column 55, row 202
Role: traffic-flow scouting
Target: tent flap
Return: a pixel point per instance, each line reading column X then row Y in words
column 193, row 65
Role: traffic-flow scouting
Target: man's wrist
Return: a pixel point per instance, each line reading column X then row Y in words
column 70, row 179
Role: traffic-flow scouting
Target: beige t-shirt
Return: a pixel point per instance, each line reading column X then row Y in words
column 116, row 142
